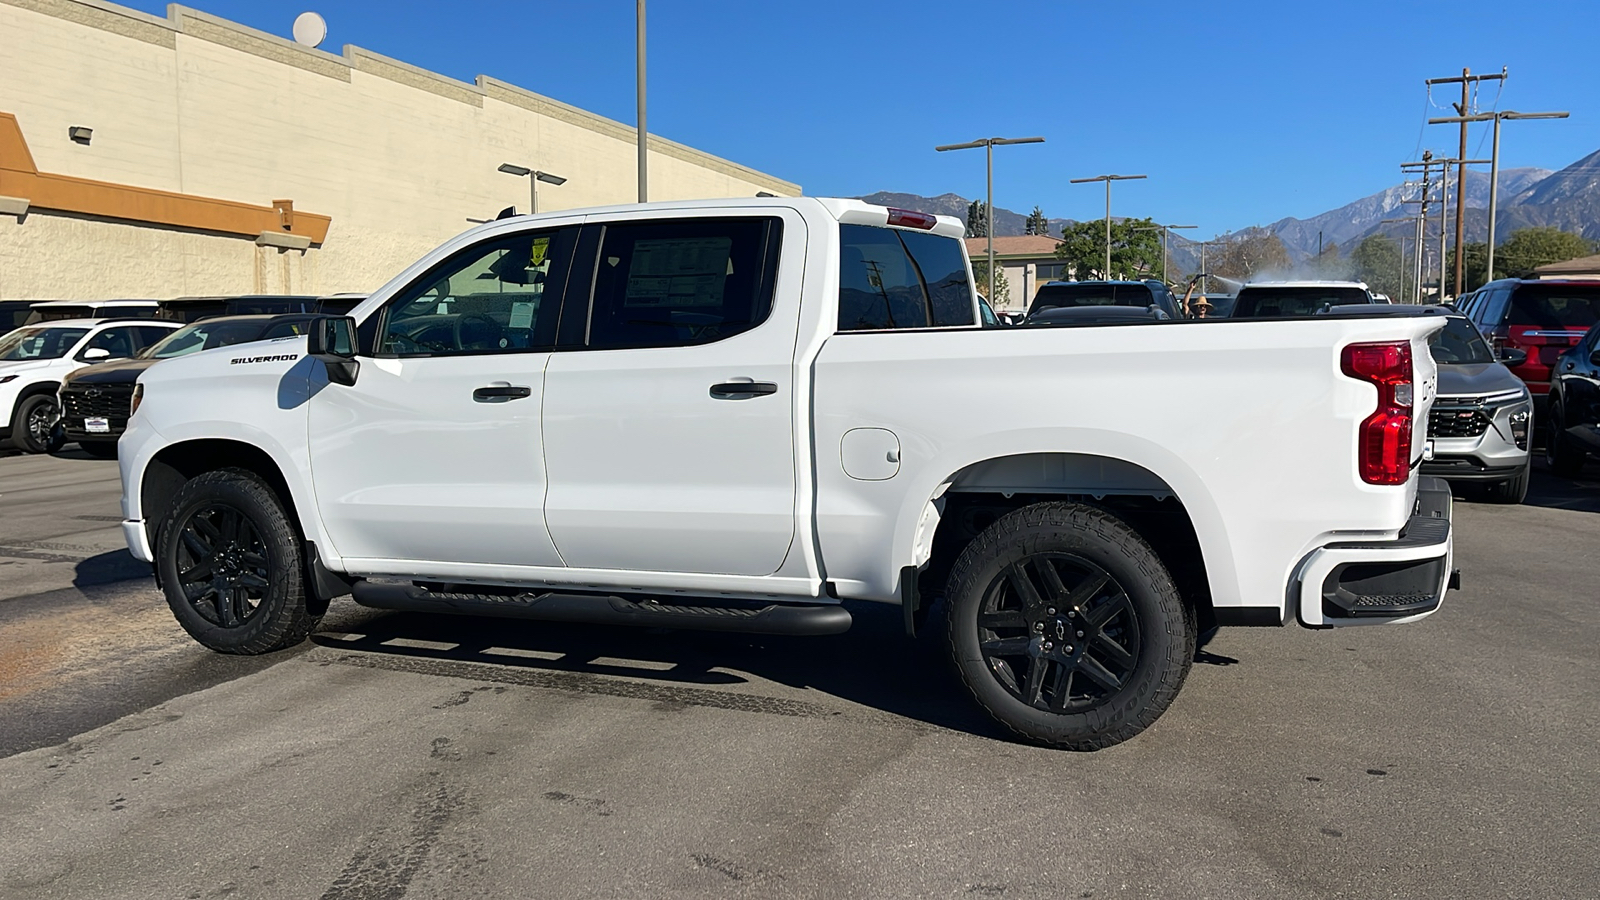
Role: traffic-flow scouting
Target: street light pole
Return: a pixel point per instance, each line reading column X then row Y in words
column 644, row 139
column 1494, row 163
column 1107, row 179
column 988, row 204
column 1165, row 231
column 534, row 177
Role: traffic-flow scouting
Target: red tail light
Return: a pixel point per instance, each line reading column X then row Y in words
column 1384, row 444
column 912, row 219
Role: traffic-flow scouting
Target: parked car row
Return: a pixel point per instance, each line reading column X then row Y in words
column 16, row 313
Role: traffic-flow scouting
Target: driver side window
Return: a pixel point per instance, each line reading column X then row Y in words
column 498, row 297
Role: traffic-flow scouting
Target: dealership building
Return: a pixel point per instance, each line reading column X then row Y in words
column 143, row 157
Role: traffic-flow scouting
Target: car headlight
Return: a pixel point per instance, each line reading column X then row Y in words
column 138, row 397
column 1519, row 427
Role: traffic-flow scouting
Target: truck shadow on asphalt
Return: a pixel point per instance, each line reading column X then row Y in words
column 873, row 665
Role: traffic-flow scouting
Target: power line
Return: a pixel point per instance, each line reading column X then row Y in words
column 1468, row 82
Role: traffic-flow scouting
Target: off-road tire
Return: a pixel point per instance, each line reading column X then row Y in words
column 1560, row 454
column 1071, row 537
column 28, row 408
column 271, row 554
column 1514, row 489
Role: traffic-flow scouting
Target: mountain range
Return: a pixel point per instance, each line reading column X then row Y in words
column 1568, row 199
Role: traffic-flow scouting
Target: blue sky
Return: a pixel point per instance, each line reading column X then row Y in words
column 1240, row 112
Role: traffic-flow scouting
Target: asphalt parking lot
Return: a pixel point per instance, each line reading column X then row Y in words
column 418, row 756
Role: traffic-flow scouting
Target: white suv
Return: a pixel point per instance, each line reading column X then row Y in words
column 34, row 358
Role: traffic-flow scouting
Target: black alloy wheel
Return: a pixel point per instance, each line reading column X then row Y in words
column 1067, row 627
column 223, row 569
column 35, row 417
column 230, row 562
column 1059, row 632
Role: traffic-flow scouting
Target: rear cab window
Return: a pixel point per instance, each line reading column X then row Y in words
column 1091, row 293
column 1294, row 300
column 893, row 278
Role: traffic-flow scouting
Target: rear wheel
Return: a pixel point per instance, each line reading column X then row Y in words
column 1513, row 489
column 231, row 566
column 1067, row 628
column 1560, row 454
column 30, row 426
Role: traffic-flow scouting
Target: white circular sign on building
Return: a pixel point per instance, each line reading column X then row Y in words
column 310, row 29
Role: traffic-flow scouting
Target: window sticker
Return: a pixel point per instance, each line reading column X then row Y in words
column 522, row 315
column 541, row 249
column 678, row 272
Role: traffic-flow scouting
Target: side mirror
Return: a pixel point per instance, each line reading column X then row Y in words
column 1594, row 358
column 94, row 354
column 332, row 339
column 1513, row 357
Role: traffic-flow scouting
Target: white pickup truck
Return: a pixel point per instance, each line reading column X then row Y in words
column 736, row 414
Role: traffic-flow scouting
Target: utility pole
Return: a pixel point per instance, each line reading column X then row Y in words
column 1416, row 222
column 988, row 204
column 1165, row 230
column 1108, row 179
column 644, row 133
column 1466, row 80
column 1494, row 168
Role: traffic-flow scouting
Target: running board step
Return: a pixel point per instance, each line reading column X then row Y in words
column 600, row 609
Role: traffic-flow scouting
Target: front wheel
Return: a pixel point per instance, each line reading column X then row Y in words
column 1560, row 455
column 1067, row 628
column 30, row 427
column 230, row 565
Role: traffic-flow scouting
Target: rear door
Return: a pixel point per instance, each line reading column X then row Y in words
column 669, row 419
column 433, row 458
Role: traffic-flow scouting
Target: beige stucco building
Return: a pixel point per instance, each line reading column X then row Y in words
column 222, row 159
column 1026, row 261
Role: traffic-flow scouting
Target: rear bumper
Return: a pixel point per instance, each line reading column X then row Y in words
column 1382, row 582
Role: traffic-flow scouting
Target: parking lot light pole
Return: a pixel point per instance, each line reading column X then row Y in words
column 988, row 203
column 534, row 177
column 1166, row 230
column 1107, row 179
column 1494, row 164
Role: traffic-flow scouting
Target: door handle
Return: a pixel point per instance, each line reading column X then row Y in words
column 742, row 390
column 500, row 393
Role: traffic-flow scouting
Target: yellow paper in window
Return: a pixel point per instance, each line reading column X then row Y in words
column 541, row 249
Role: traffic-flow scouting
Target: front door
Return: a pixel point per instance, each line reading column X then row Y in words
column 669, row 433
column 433, row 456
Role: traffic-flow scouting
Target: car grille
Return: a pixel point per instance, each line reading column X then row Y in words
column 98, row 401
column 1455, row 422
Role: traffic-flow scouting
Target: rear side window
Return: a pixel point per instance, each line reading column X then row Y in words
column 893, row 278
column 682, row 282
column 1272, row 302
column 1080, row 293
column 1555, row 306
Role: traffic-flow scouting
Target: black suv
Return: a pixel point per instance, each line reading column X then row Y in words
column 1144, row 294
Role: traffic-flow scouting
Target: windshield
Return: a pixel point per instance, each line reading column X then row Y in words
column 39, row 343
column 1271, row 301
column 1556, row 306
column 205, row 335
column 1459, row 344
column 1090, row 293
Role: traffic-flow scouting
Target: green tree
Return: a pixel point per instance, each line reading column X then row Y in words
column 977, row 219
column 1135, row 253
column 1037, row 223
column 1253, row 251
column 1476, row 267
column 1331, row 263
column 1376, row 261
column 980, row 277
column 1531, row 248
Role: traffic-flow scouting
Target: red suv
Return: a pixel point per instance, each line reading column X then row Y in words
column 1540, row 318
